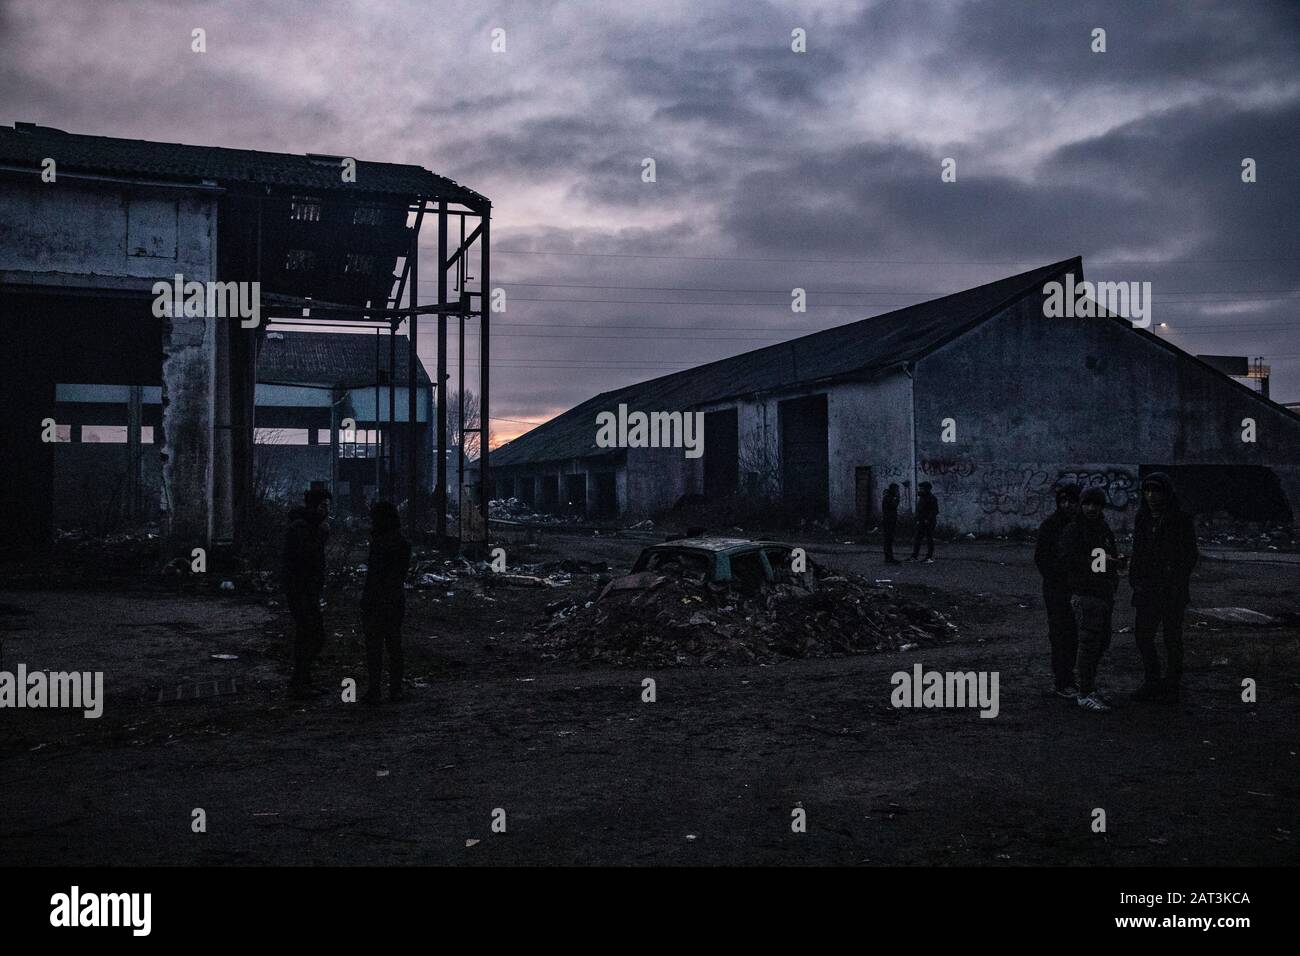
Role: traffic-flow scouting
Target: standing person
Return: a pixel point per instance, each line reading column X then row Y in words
column 304, row 577
column 927, row 515
column 1092, row 564
column 889, row 520
column 1164, row 554
column 383, row 600
column 1062, row 632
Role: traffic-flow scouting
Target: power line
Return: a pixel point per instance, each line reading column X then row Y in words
column 922, row 262
column 496, row 326
column 907, row 292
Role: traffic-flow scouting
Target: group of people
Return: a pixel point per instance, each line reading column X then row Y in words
column 927, row 516
column 383, row 598
column 1076, row 555
column 1080, row 566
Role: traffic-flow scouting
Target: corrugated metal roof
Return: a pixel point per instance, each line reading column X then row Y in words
column 330, row 358
column 859, row 349
column 28, row 145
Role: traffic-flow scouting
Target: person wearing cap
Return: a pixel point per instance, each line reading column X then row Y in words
column 889, row 520
column 383, row 600
column 927, row 515
column 303, row 576
column 1092, row 563
column 1164, row 554
column 1062, row 633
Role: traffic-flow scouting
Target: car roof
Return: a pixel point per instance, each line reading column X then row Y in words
column 715, row 545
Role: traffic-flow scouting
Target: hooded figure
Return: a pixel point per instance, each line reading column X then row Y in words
column 1164, row 554
column 303, row 577
column 889, row 520
column 1062, row 633
column 1092, row 563
column 927, row 515
column 383, row 599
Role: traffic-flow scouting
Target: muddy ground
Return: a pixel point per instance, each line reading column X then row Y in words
column 589, row 774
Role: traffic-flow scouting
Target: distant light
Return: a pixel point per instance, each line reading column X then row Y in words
column 1164, row 325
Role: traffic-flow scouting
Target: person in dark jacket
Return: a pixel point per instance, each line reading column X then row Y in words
column 303, row 576
column 383, row 600
column 1092, row 565
column 1164, row 554
column 889, row 521
column 927, row 515
column 1062, row 632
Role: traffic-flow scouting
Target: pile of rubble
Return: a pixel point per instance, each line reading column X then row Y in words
column 659, row 620
column 512, row 509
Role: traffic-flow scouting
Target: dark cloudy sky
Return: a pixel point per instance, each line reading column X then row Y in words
column 775, row 169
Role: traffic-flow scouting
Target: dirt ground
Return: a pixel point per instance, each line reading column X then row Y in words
column 587, row 773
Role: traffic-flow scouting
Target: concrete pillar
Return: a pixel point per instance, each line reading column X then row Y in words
column 189, row 401
column 223, row 438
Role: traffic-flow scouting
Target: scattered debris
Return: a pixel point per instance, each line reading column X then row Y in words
column 1235, row 615
column 514, row 510
column 655, row 619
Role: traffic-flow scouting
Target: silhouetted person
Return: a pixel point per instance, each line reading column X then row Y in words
column 383, row 600
column 304, row 577
column 1164, row 554
column 927, row 515
column 1062, row 633
column 1092, row 564
column 889, row 521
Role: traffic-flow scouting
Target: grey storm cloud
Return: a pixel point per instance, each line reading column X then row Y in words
column 824, row 166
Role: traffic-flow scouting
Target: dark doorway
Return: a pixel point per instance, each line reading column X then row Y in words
column 805, row 468
column 52, row 339
column 864, row 496
column 604, row 495
column 575, row 494
column 526, row 491
column 550, row 493
column 721, row 453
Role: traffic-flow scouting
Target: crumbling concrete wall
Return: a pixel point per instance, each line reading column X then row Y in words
column 869, row 424
column 71, row 230
column 1036, row 400
column 655, row 478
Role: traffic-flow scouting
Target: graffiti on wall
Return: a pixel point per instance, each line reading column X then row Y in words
column 1019, row 489
column 936, row 467
column 946, row 476
column 1015, row 490
column 1120, row 486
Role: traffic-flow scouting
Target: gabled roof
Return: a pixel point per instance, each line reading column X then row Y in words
column 27, row 145
column 861, row 349
column 330, row 358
